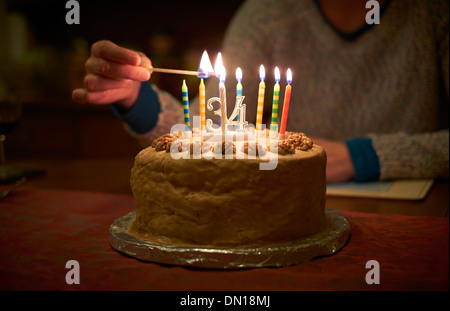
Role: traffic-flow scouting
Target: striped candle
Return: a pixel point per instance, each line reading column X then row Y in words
column 276, row 97
column 202, row 104
column 184, row 91
column 261, row 90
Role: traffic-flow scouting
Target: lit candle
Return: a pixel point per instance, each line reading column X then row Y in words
column 262, row 88
column 202, row 102
column 238, row 85
column 205, row 69
column 184, row 91
column 287, row 98
column 276, row 97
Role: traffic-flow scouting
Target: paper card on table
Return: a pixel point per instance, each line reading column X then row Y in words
column 413, row 189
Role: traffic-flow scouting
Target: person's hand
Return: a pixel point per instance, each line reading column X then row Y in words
column 113, row 75
column 339, row 163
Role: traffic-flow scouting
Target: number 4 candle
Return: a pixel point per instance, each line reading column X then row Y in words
column 287, row 98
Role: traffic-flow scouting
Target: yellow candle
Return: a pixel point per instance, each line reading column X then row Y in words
column 202, row 104
column 261, row 90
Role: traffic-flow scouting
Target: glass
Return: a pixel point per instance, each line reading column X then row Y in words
column 10, row 113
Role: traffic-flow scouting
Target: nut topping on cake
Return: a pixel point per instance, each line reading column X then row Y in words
column 291, row 142
column 297, row 141
column 162, row 142
column 254, row 149
column 226, row 147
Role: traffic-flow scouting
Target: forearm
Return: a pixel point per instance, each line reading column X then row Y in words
column 424, row 155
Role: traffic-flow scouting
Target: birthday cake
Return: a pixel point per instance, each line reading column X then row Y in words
column 203, row 192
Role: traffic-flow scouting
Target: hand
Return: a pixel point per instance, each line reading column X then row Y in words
column 113, row 75
column 339, row 162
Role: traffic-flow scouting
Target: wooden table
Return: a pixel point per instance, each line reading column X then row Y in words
column 111, row 175
column 66, row 215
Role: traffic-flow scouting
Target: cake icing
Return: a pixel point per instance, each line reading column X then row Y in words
column 225, row 202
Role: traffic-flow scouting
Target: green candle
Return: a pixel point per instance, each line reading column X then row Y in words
column 276, row 97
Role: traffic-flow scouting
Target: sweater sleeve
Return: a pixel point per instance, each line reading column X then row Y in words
column 153, row 114
column 364, row 158
column 143, row 116
column 422, row 155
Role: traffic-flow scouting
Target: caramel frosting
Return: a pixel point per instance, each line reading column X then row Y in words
column 229, row 202
column 287, row 145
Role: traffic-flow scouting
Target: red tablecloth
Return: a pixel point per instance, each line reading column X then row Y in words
column 40, row 230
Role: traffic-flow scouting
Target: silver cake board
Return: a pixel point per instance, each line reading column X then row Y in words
column 327, row 242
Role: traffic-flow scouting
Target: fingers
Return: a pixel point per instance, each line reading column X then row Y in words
column 107, row 50
column 82, row 96
column 145, row 61
column 115, row 70
column 95, row 83
column 112, row 61
column 113, row 75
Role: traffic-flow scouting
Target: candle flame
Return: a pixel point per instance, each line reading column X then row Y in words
column 222, row 75
column 277, row 74
column 262, row 73
column 289, row 76
column 205, row 66
column 239, row 74
column 218, row 64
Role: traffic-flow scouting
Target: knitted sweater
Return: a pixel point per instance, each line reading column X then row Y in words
column 390, row 83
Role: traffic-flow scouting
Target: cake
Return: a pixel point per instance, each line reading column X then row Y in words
column 229, row 201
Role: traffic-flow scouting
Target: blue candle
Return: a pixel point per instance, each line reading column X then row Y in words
column 184, row 91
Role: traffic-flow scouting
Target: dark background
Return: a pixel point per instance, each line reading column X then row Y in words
column 51, row 57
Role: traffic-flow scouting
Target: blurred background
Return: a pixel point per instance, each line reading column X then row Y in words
column 42, row 60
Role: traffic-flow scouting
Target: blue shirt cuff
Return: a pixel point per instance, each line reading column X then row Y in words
column 143, row 116
column 364, row 158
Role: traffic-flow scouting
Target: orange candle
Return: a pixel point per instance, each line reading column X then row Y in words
column 205, row 69
column 202, row 104
column 287, row 98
